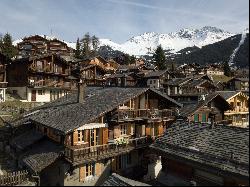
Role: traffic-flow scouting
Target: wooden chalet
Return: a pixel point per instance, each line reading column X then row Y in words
column 238, row 84
column 204, row 155
column 209, row 109
column 239, row 114
column 200, row 84
column 3, row 81
column 37, row 45
column 83, row 137
column 154, row 79
column 40, row 78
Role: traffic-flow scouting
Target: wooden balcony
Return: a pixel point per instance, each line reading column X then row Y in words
column 77, row 156
column 143, row 114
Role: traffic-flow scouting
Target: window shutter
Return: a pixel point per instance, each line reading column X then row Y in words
column 82, row 171
column 75, row 137
column 105, row 136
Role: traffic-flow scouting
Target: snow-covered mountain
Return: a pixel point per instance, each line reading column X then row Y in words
column 148, row 42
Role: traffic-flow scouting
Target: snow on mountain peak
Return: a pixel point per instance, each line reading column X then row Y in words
column 148, row 42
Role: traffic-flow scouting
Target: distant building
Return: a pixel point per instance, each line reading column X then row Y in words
column 239, row 114
column 40, row 78
column 209, row 109
column 3, row 81
column 241, row 84
column 38, row 45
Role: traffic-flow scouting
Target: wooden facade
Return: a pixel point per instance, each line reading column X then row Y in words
column 47, row 77
column 37, row 45
column 3, row 81
column 239, row 115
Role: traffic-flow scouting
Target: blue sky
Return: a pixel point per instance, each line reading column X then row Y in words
column 118, row 19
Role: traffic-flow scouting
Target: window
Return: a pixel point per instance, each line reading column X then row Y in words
column 41, row 92
column 90, row 169
column 80, row 135
column 123, row 129
column 196, row 118
column 204, row 118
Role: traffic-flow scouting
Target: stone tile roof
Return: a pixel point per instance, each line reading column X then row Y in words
column 177, row 81
column 155, row 73
column 227, row 94
column 41, row 155
column 26, row 139
column 222, row 148
column 190, row 109
column 66, row 114
column 117, row 180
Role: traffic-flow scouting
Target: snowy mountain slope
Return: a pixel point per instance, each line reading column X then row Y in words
column 148, row 42
column 243, row 38
column 174, row 42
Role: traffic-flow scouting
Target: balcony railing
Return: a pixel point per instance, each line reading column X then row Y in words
column 130, row 115
column 105, row 151
column 3, row 84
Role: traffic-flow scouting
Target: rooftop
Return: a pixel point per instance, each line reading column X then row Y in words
column 66, row 114
column 117, row 180
column 222, row 148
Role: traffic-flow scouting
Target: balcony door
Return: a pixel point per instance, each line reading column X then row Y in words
column 33, row 95
column 94, row 137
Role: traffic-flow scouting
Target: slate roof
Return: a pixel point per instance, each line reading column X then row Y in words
column 167, row 97
column 42, row 155
column 222, row 148
column 117, row 180
column 190, row 109
column 227, row 94
column 155, row 73
column 177, row 81
column 66, row 114
column 26, row 139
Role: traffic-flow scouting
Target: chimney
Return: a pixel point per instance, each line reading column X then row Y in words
column 81, row 91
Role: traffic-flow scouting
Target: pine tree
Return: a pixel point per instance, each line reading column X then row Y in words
column 6, row 46
column 126, row 59
column 95, row 44
column 227, row 70
column 159, row 58
column 85, row 47
column 132, row 59
column 78, row 49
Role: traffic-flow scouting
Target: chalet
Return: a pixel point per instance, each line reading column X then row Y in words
column 122, row 80
column 38, row 45
column 201, row 84
column 238, row 84
column 40, row 78
column 239, row 114
column 214, row 71
column 3, row 81
column 204, row 155
column 81, row 137
column 155, row 79
column 209, row 109
column 109, row 66
column 188, row 69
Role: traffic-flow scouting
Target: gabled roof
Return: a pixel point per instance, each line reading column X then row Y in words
column 229, row 94
column 177, row 81
column 117, row 180
column 221, row 148
column 155, row 73
column 190, row 109
column 43, row 154
column 66, row 114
